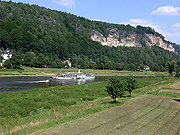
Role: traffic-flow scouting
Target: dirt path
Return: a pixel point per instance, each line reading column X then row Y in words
column 147, row 114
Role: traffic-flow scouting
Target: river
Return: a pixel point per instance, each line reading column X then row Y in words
column 11, row 84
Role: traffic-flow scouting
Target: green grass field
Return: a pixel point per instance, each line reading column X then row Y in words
column 143, row 115
column 28, row 111
column 147, row 114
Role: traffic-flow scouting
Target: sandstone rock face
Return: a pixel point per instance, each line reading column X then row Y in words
column 97, row 36
column 116, row 39
column 113, row 39
column 159, row 42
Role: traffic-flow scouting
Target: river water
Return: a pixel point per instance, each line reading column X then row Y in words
column 11, row 84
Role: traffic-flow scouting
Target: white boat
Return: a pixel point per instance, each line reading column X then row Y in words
column 74, row 75
column 80, row 75
column 46, row 80
column 63, row 76
column 89, row 76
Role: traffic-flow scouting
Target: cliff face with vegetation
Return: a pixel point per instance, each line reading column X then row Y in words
column 44, row 37
column 115, row 38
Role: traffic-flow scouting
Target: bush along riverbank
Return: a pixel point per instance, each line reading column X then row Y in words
column 31, row 110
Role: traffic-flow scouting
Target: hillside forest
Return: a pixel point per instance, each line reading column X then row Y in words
column 41, row 37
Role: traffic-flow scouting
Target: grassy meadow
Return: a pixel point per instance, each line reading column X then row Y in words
column 31, row 110
column 143, row 115
column 149, row 113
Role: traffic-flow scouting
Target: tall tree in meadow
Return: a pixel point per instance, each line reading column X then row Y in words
column 171, row 66
column 115, row 88
column 178, row 69
column 131, row 84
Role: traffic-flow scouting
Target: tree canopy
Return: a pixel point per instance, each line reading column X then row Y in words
column 117, row 86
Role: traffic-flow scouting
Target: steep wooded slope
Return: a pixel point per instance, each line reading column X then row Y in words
column 55, row 34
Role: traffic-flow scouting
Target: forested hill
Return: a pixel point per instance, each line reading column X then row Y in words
column 56, row 36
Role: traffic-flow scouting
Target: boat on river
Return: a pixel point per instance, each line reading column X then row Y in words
column 89, row 76
column 74, row 75
column 80, row 75
column 64, row 76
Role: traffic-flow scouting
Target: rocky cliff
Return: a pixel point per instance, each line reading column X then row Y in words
column 120, row 38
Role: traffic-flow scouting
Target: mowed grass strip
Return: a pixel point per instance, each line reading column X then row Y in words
column 123, row 116
column 149, row 122
column 147, row 114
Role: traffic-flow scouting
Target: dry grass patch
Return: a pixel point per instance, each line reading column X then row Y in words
column 174, row 85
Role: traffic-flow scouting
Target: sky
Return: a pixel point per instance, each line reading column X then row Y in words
column 162, row 15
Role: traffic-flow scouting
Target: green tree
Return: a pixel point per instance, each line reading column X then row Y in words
column 7, row 64
column 108, row 65
column 41, row 60
column 54, row 64
column 66, row 65
column 162, row 68
column 178, row 69
column 59, row 63
column 155, row 67
column 115, row 88
column 47, row 62
column 28, row 59
column 1, row 58
column 5, row 38
column 171, row 66
column 16, row 60
column 131, row 84
column 35, row 62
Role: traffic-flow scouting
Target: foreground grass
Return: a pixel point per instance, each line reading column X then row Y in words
column 51, row 71
column 143, row 115
column 27, row 111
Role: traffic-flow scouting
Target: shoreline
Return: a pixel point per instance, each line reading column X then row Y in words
column 26, row 75
column 50, row 75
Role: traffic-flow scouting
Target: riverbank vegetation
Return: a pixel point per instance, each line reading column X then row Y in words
column 31, row 110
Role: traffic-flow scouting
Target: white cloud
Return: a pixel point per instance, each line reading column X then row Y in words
column 98, row 20
column 167, row 10
column 146, row 23
column 138, row 21
column 171, row 33
column 176, row 25
column 173, row 36
column 67, row 3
